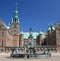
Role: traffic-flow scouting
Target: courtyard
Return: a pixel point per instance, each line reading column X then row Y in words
column 6, row 57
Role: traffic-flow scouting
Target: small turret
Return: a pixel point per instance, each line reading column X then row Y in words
column 53, row 27
column 49, row 28
column 40, row 32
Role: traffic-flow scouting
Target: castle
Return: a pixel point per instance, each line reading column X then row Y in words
column 11, row 36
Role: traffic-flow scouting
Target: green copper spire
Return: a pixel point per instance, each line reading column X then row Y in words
column 16, row 12
column 53, row 27
column 15, row 17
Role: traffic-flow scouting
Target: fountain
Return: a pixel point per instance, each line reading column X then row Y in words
column 31, row 47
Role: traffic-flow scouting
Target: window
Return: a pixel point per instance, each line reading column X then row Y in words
column 2, row 34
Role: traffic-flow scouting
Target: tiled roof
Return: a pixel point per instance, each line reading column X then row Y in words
column 26, row 34
column 41, row 33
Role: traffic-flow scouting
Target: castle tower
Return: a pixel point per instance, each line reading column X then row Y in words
column 15, row 28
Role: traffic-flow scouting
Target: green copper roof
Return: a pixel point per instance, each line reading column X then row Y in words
column 53, row 27
column 49, row 28
column 41, row 32
column 15, row 19
column 35, row 34
column 16, row 11
column 16, row 14
column 26, row 34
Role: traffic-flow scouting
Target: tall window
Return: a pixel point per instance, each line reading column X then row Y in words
column 2, row 34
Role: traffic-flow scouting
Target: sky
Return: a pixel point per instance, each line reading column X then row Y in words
column 37, row 14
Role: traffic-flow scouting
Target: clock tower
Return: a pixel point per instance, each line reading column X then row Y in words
column 15, row 28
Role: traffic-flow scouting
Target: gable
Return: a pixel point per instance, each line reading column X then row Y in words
column 3, row 25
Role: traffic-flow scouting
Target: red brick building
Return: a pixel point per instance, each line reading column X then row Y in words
column 11, row 36
column 52, row 37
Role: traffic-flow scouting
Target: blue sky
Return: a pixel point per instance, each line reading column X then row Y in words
column 37, row 14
